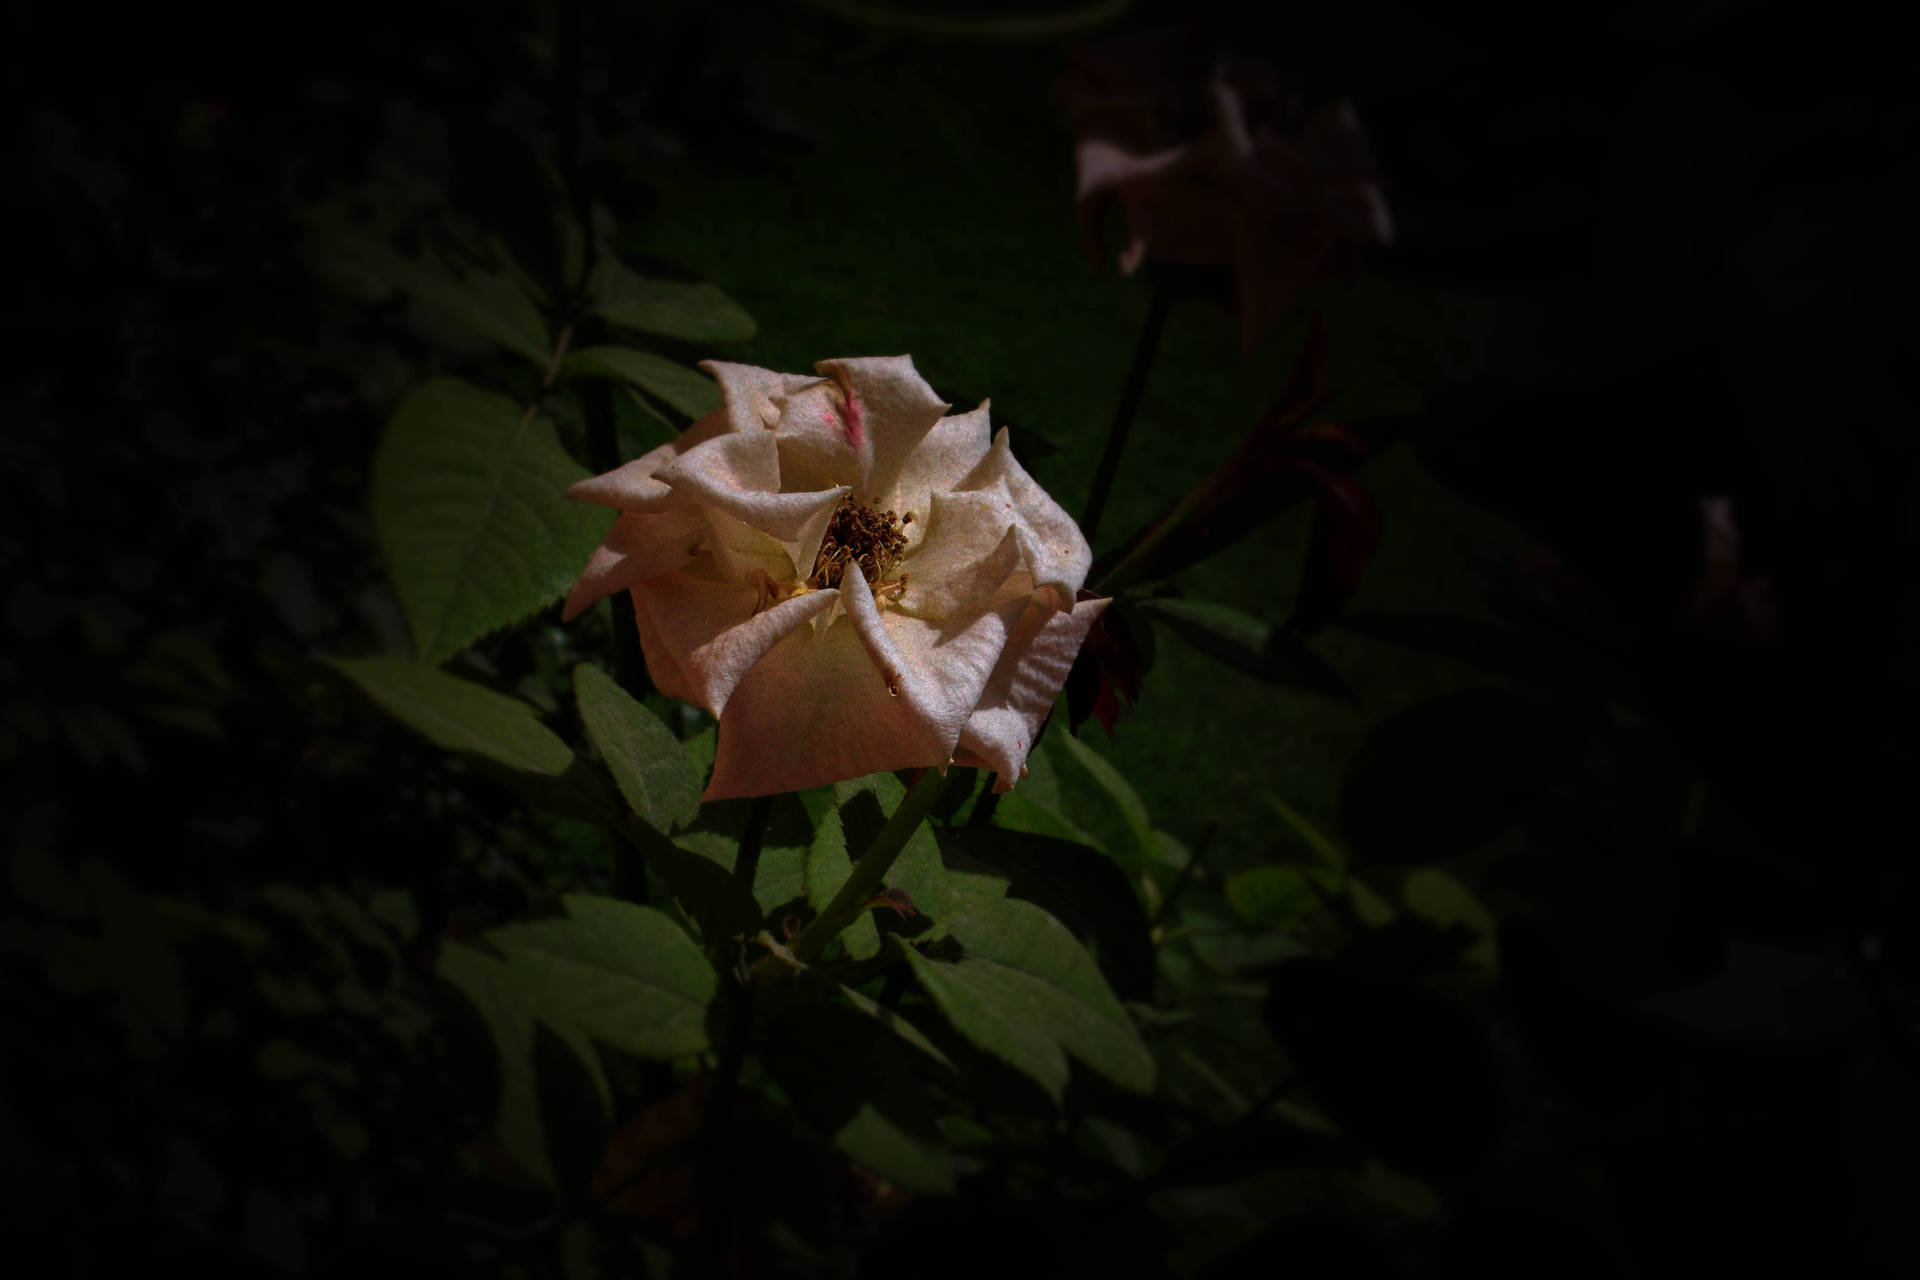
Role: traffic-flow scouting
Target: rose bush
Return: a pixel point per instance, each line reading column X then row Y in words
column 850, row 579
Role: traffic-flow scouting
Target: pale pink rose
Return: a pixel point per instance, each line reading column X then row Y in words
column 846, row 577
column 1216, row 169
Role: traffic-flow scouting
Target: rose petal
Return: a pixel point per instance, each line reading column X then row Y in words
column 669, row 677
column 969, row 551
column 740, row 554
column 937, row 673
column 815, row 449
column 748, row 393
column 715, row 634
column 1104, row 167
column 635, row 487
column 739, row 474
column 637, row 548
column 1061, row 555
column 954, row 447
column 889, row 410
column 816, row 710
column 1023, row 686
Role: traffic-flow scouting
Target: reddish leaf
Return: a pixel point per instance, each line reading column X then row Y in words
column 1346, row 533
column 640, row 1171
column 1112, row 665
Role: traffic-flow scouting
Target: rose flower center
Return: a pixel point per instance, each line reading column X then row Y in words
column 858, row 534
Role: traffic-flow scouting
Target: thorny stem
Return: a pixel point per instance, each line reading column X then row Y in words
column 1136, row 385
column 872, row 867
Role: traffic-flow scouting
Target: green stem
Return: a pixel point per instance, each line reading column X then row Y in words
column 1143, row 353
column 872, row 867
column 1184, row 876
column 752, row 837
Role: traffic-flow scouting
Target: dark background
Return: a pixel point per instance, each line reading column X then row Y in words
column 1644, row 255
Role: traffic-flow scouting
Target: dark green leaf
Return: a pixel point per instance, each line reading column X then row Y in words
column 1329, row 855
column 1249, row 645
column 647, row 761
column 470, row 512
column 691, row 392
column 1439, row 899
column 1027, row 993
column 942, row 889
column 502, row 1005
column 1271, row 895
column 828, row 866
column 851, row 1078
column 1081, row 887
column 458, row 714
column 894, row 1023
column 699, row 751
column 509, row 741
column 492, row 304
column 705, row 888
column 1143, row 847
column 670, row 308
column 1039, row 805
column 623, row 974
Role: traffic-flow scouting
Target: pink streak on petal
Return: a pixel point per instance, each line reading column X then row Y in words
column 856, row 428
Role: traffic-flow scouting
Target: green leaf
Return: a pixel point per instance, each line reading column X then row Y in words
column 492, row 304
column 1247, row 644
column 894, row 1023
column 852, row 1079
column 647, row 761
column 498, row 998
column 1037, row 806
column 623, row 974
column 582, row 791
column 699, row 750
column 501, row 731
column 670, row 308
column 470, row 512
column 780, row 878
column 640, row 424
column 704, row 887
column 942, row 889
column 1438, row 898
column 911, row 1160
column 1330, row 855
column 1270, row 895
column 1120, row 794
column 1082, row 888
column 1027, row 992
column 1230, row 949
column 828, row 866
column 458, row 714
column 692, row 393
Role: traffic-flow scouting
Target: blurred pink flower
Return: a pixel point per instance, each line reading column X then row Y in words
column 1215, row 169
column 1727, row 599
column 850, row 579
